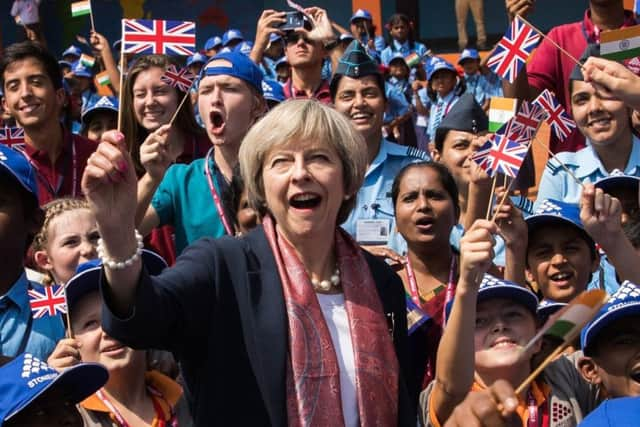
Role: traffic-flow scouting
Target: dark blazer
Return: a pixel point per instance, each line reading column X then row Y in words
column 221, row 311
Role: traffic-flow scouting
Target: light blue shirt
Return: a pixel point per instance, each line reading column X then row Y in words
column 387, row 54
column 397, row 104
column 15, row 312
column 373, row 200
column 441, row 103
column 556, row 183
column 477, row 86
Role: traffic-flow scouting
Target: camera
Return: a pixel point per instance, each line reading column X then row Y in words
column 294, row 20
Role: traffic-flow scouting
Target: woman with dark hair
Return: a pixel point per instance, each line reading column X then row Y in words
column 425, row 199
column 401, row 39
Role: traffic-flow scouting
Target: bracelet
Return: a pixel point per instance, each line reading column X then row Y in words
column 120, row 265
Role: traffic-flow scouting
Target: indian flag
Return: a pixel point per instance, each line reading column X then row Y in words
column 87, row 60
column 500, row 111
column 80, row 8
column 103, row 78
column 620, row 44
column 412, row 59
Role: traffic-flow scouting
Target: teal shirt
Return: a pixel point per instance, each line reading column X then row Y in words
column 184, row 201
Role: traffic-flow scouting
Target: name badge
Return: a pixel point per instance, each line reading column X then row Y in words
column 373, row 231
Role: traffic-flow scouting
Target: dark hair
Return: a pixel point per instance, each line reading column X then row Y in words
column 231, row 198
column 29, row 49
column 631, row 229
column 29, row 202
column 444, row 175
column 560, row 223
column 397, row 18
column 335, row 81
column 458, row 89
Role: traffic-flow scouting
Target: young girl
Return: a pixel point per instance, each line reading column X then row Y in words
column 402, row 39
column 68, row 237
column 100, row 116
column 444, row 89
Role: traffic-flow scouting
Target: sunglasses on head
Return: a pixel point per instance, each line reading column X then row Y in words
column 293, row 38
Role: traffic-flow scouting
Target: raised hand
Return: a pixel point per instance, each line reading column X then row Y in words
column 157, row 153
column 493, row 407
column 99, row 42
column 476, row 252
column 268, row 24
column 519, row 7
column 601, row 215
column 65, row 355
column 613, row 79
column 322, row 29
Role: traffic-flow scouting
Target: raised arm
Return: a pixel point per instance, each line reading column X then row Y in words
column 101, row 44
column 267, row 25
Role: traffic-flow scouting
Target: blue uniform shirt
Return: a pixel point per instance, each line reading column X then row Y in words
column 439, row 109
column 15, row 312
column 585, row 164
column 373, row 200
column 478, row 87
column 184, row 200
column 387, row 54
column 397, row 104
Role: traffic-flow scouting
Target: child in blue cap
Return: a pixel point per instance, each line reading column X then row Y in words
column 20, row 220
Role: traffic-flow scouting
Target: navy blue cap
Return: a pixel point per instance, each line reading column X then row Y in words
column 625, row 302
column 620, row 412
column 618, row 179
column 468, row 54
column 230, row 35
column 26, row 378
column 438, row 64
column 592, row 49
column 272, row 90
column 244, row 48
column 361, row 14
column 555, row 211
column 356, row 62
column 79, row 70
column 87, row 277
column 197, row 58
column 65, row 63
column 547, row 307
column 213, row 43
column 15, row 164
column 241, row 67
column 103, row 103
column 466, row 115
column 72, row 50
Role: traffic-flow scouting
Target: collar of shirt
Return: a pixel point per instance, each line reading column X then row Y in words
column 588, row 163
column 593, row 32
column 447, row 98
column 383, row 153
column 18, row 292
column 42, row 157
column 322, row 93
column 401, row 47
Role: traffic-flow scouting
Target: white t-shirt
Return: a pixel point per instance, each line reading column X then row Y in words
column 335, row 314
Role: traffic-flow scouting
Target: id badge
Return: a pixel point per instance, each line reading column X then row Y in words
column 373, row 231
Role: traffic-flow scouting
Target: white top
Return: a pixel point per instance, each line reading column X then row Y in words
column 335, row 314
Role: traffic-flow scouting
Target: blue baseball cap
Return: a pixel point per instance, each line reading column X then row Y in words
column 103, row 103
column 64, row 63
column 27, row 378
column 230, row 35
column 438, row 64
column 272, row 90
column 555, row 211
column 197, row 58
column 87, row 277
column 361, row 14
column 548, row 307
column 491, row 287
column 624, row 302
column 281, row 61
column 618, row 179
column 274, row 37
column 398, row 56
column 79, row 70
column 72, row 50
column 241, row 67
column 212, row 43
column 14, row 164
column 244, row 48
column 468, row 54
column 620, row 412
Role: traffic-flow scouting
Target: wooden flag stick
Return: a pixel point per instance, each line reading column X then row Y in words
column 543, row 35
column 68, row 316
column 504, row 199
column 184, row 98
column 540, row 368
column 554, row 157
column 93, row 24
column 491, row 194
column 122, row 70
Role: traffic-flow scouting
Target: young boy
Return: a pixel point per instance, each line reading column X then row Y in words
column 20, row 220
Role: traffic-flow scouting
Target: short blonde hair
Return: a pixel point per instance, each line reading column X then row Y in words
column 303, row 120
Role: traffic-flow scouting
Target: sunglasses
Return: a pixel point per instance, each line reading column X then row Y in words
column 293, row 38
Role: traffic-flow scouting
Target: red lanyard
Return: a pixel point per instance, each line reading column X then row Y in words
column 173, row 421
column 74, row 165
column 413, row 285
column 214, row 194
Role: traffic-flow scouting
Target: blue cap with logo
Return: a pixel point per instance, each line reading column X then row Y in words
column 95, row 105
column 438, row 64
column 27, row 378
column 398, row 56
column 619, row 412
column 361, row 14
column 72, row 50
column 14, row 164
column 555, row 211
column 230, row 35
column 213, row 43
column 623, row 303
column 241, row 67
column 244, row 48
column 197, row 58
column 272, row 90
column 79, row 70
column 468, row 54
column 548, row 307
column 618, row 179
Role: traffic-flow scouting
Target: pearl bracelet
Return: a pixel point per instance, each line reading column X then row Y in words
column 120, row 265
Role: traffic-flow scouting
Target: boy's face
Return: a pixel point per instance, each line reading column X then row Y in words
column 617, row 357
column 559, row 261
column 601, row 119
column 503, row 328
column 227, row 107
column 29, row 94
column 470, row 66
column 100, row 123
column 443, row 81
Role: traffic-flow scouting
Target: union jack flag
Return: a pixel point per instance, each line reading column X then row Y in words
column 523, row 126
column 12, row 137
column 180, row 79
column 48, row 303
column 561, row 123
column 500, row 154
column 513, row 50
column 158, row 36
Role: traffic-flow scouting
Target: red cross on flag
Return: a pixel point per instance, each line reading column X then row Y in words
column 513, row 50
column 561, row 123
column 48, row 303
column 158, row 36
column 180, row 79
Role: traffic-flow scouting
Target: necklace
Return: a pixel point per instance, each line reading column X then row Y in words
column 325, row 285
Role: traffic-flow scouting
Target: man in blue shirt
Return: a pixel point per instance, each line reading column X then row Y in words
column 358, row 91
column 20, row 219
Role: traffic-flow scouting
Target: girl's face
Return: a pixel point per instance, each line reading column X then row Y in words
column 443, row 82
column 100, row 123
column 72, row 239
column 399, row 70
column 399, row 31
column 154, row 101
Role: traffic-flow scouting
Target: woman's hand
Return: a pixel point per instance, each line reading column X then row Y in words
column 493, row 407
column 388, row 255
column 157, row 153
column 476, row 252
column 519, row 7
column 65, row 355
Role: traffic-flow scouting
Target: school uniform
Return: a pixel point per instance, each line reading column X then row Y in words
column 439, row 109
column 388, row 53
column 478, row 87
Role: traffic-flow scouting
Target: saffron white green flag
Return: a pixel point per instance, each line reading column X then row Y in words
column 80, row 8
column 500, row 111
column 620, row 44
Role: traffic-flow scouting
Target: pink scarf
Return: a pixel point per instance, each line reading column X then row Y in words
column 313, row 374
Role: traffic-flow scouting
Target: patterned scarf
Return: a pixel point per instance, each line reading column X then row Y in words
column 313, row 374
